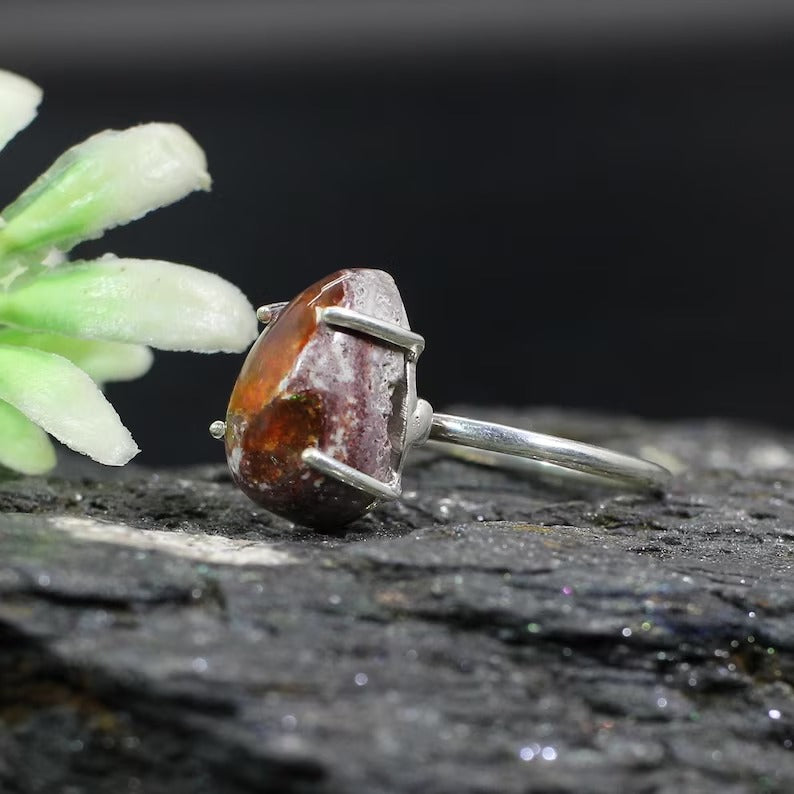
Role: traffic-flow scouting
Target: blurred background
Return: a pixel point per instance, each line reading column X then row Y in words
column 585, row 204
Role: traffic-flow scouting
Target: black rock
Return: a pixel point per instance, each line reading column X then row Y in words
column 160, row 633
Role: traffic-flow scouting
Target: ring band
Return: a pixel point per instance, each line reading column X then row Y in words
column 508, row 446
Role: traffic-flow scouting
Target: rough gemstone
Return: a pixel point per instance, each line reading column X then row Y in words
column 305, row 384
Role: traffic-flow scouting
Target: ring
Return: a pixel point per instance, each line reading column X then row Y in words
column 325, row 409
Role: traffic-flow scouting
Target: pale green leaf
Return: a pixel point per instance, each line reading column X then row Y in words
column 19, row 99
column 108, row 180
column 173, row 307
column 24, row 447
column 103, row 361
column 64, row 401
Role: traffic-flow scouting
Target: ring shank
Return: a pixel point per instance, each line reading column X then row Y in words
column 545, row 449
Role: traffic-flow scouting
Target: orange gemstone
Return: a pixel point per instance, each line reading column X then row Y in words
column 305, row 384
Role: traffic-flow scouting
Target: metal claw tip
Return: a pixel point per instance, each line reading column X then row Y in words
column 331, row 467
column 267, row 313
column 218, row 428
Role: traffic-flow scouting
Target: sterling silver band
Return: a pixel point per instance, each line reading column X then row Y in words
column 511, row 447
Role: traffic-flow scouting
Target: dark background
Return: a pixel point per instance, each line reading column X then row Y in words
column 585, row 203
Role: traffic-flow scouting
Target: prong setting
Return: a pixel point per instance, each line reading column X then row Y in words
column 324, row 408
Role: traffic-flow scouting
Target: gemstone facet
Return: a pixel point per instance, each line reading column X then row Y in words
column 305, row 384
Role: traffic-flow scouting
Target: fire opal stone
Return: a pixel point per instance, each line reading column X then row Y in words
column 305, row 384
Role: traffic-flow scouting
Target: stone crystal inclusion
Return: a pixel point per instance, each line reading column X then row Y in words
column 305, row 384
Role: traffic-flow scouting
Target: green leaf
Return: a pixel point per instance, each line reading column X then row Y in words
column 24, row 447
column 64, row 401
column 103, row 361
column 108, row 180
column 173, row 307
column 19, row 99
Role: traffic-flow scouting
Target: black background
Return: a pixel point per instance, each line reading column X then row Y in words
column 590, row 212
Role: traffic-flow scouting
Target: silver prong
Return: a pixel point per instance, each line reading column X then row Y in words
column 331, row 467
column 218, row 428
column 267, row 313
column 394, row 334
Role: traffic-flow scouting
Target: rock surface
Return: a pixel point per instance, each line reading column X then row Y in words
column 160, row 633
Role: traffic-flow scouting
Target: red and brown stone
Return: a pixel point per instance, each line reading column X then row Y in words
column 305, row 384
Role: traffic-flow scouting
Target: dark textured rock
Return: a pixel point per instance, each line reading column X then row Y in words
column 159, row 633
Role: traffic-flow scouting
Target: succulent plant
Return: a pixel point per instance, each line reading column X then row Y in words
column 66, row 328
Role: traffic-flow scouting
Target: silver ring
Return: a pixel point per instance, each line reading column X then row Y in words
column 325, row 410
